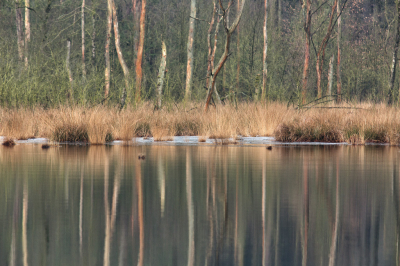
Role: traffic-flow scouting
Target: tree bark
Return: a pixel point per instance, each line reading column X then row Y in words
column 265, row 66
column 20, row 37
column 338, row 72
column 209, row 64
column 394, row 60
column 321, row 50
column 136, row 25
column 83, row 41
column 107, row 50
column 139, row 74
column 238, row 50
column 330, row 76
column 161, row 73
column 94, row 40
column 27, row 31
column 71, row 80
column 120, row 56
column 190, row 48
column 222, row 60
column 307, row 28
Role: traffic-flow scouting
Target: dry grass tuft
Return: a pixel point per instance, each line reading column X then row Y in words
column 8, row 143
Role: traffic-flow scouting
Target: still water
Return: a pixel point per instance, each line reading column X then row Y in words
column 199, row 205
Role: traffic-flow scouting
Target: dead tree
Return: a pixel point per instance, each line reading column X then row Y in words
column 189, row 67
column 228, row 31
column 139, row 57
column 161, row 73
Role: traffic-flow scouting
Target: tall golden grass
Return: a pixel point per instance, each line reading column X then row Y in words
column 97, row 125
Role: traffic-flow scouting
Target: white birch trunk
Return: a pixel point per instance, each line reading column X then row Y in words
column 161, row 74
column 189, row 67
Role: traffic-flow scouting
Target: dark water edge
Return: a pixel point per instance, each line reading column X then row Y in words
column 199, row 205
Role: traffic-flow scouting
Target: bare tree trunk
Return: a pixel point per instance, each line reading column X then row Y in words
column 27, row 32
column 209, row 67
column 265, row 69
column 71, row 80
column 120, row 56
column 20, row 37
column 394, row 61
column 330, row 76
column 321, row 50
column 212, row 58
column 222, row 60
column 307, row 28
column 338, row 72
column 139, row 74
column 136, row 25
column 279, row 15
column 190, row 48
column 238, row 50
column 107, row 49
column 83, row 41
column 161, row 72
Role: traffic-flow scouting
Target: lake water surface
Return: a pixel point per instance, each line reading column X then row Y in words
column 199, row 205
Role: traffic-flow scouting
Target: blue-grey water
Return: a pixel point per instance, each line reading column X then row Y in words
column 199, row 205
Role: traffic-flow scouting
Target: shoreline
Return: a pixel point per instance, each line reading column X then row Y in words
column 194, row 141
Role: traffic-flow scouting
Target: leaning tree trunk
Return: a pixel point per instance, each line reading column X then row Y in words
column 222, row 60
column 307, row 28
column 394, row 62
column 209, row 64
column 120, row 56
column 139, row 56
column 321, row 50
column 107, row 49
column 27, row 31
column 20, row 38
column 338, row 73
column 83, row 41
column 189, row 67
column 161, row 73
column 265, row 69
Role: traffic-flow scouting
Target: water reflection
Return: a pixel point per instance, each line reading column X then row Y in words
column 201, row 205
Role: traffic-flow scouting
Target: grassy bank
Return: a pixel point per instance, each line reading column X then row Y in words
column 97, row 125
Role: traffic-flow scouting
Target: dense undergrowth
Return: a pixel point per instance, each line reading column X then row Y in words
column 96, row 125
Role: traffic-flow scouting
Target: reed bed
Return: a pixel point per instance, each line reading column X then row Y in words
column 97, row 125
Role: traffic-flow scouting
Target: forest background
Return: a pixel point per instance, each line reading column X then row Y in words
column 59, row 55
